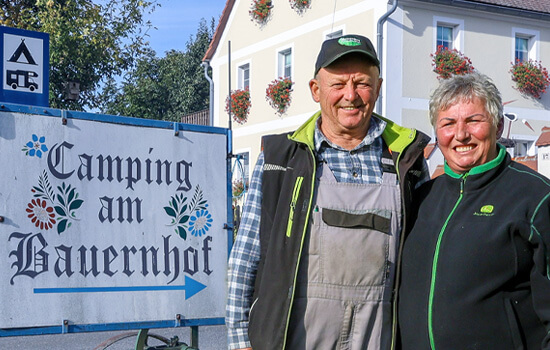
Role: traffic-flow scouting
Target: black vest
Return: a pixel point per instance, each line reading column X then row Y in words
column 284, row 161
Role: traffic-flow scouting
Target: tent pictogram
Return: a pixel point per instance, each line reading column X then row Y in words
column 22, row 49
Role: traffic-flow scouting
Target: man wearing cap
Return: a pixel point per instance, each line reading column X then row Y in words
column 314, row 261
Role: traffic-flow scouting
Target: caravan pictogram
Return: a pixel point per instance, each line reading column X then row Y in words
column 21, row 78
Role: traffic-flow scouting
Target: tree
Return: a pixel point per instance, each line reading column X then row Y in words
column 89, row 42
column 164, row 88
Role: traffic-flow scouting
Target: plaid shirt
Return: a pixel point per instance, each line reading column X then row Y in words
column 360, row 165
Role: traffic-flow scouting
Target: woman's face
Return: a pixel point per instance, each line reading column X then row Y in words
column 466, row 135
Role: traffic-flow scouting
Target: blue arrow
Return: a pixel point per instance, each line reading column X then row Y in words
column 191, row 288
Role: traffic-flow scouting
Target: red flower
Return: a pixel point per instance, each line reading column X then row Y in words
column 278, row 94
column 531, row 77
column 447, row 62
column 40, row 214
column 239, row 105
column 300, row 5
column 260, row 10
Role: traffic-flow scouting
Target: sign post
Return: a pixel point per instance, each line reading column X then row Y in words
column 111, row 222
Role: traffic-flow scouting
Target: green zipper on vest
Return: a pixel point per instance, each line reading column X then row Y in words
column 398, row 262
column 434, row 264
column 291, row 293
column 295, row 194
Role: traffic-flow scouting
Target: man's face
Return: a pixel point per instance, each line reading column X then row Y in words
column 347, row 91
column 466, row 135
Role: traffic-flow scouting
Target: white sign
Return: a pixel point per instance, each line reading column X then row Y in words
column 107, row 222
column 23, row 63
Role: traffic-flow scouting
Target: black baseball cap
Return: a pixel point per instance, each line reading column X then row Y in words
column 333, row 49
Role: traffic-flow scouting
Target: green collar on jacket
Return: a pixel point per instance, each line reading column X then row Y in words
column 480, row 168
column 396, row 137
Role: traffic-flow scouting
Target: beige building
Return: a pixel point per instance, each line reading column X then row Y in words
column 492, row 33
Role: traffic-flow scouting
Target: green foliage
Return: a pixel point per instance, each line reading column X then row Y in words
column 531, row 77
column 90, row 42
column 239, row 105
column 447, row 63
column 164, row 88
column 260, row 11
column 278, row 94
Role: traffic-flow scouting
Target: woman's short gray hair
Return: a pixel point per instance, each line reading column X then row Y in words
column 466, row 88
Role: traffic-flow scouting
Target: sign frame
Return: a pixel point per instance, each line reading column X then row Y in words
column 173, row 128
column 25, row 97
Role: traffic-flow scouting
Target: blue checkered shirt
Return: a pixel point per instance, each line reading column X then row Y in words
column 359, row 165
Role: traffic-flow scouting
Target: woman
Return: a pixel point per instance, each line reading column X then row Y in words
column 475, row 265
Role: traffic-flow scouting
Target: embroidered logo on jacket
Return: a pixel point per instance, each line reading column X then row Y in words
column 486, row 210
column 272, row 167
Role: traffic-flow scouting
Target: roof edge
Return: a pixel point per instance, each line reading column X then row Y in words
column 484, row 6
column 219, row 31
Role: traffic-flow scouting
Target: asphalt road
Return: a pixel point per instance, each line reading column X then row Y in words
column 210, row 338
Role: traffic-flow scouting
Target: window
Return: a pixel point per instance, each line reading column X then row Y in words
column 444, row 37
column 520, row 149
column 448, row 33
column 522, row 49
column 244, row 76
column 241, row 168
column 523, row 148
column 285, row 63
column 525, row 44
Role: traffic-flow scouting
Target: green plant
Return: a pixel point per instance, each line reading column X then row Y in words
column 260, row 10
column 447, row 63
column 239, row 105
column 278, row 94
column 531, row 77
column 300, row 5
column 238, row 188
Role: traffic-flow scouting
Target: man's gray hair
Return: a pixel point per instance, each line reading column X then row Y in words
column 465, row 88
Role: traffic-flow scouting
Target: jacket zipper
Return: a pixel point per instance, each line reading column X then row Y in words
column 295, row 194
column 294, row 199
column 393, row 344
column 434, row 264
column 397, row 270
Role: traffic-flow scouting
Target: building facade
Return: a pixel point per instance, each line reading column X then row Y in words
column 491, row 33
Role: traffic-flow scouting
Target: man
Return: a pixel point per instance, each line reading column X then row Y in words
column 314, row 261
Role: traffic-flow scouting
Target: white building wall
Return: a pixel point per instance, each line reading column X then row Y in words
column 544, row 161
column 486, row 38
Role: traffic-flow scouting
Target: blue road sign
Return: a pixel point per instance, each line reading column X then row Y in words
column 24, row 66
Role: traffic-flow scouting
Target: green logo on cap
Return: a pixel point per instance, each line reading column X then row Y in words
column 349, row 41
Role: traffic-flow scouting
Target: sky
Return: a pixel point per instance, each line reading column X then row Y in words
column 177, row 20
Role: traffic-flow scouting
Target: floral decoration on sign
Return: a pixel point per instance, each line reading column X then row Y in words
column 278, row 94
column 260, row 11
column 531, row 77
column 192, row 215
column 447, row 63
column 200, row 223
column 65, row 203
column 35, row 147
column 300, row 5
column 239, row 105
column 41, row 215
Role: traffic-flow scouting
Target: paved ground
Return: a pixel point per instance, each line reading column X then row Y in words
column 210, row 338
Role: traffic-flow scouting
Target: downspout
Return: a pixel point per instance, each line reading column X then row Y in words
column 206, row 65
column 379, row 47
